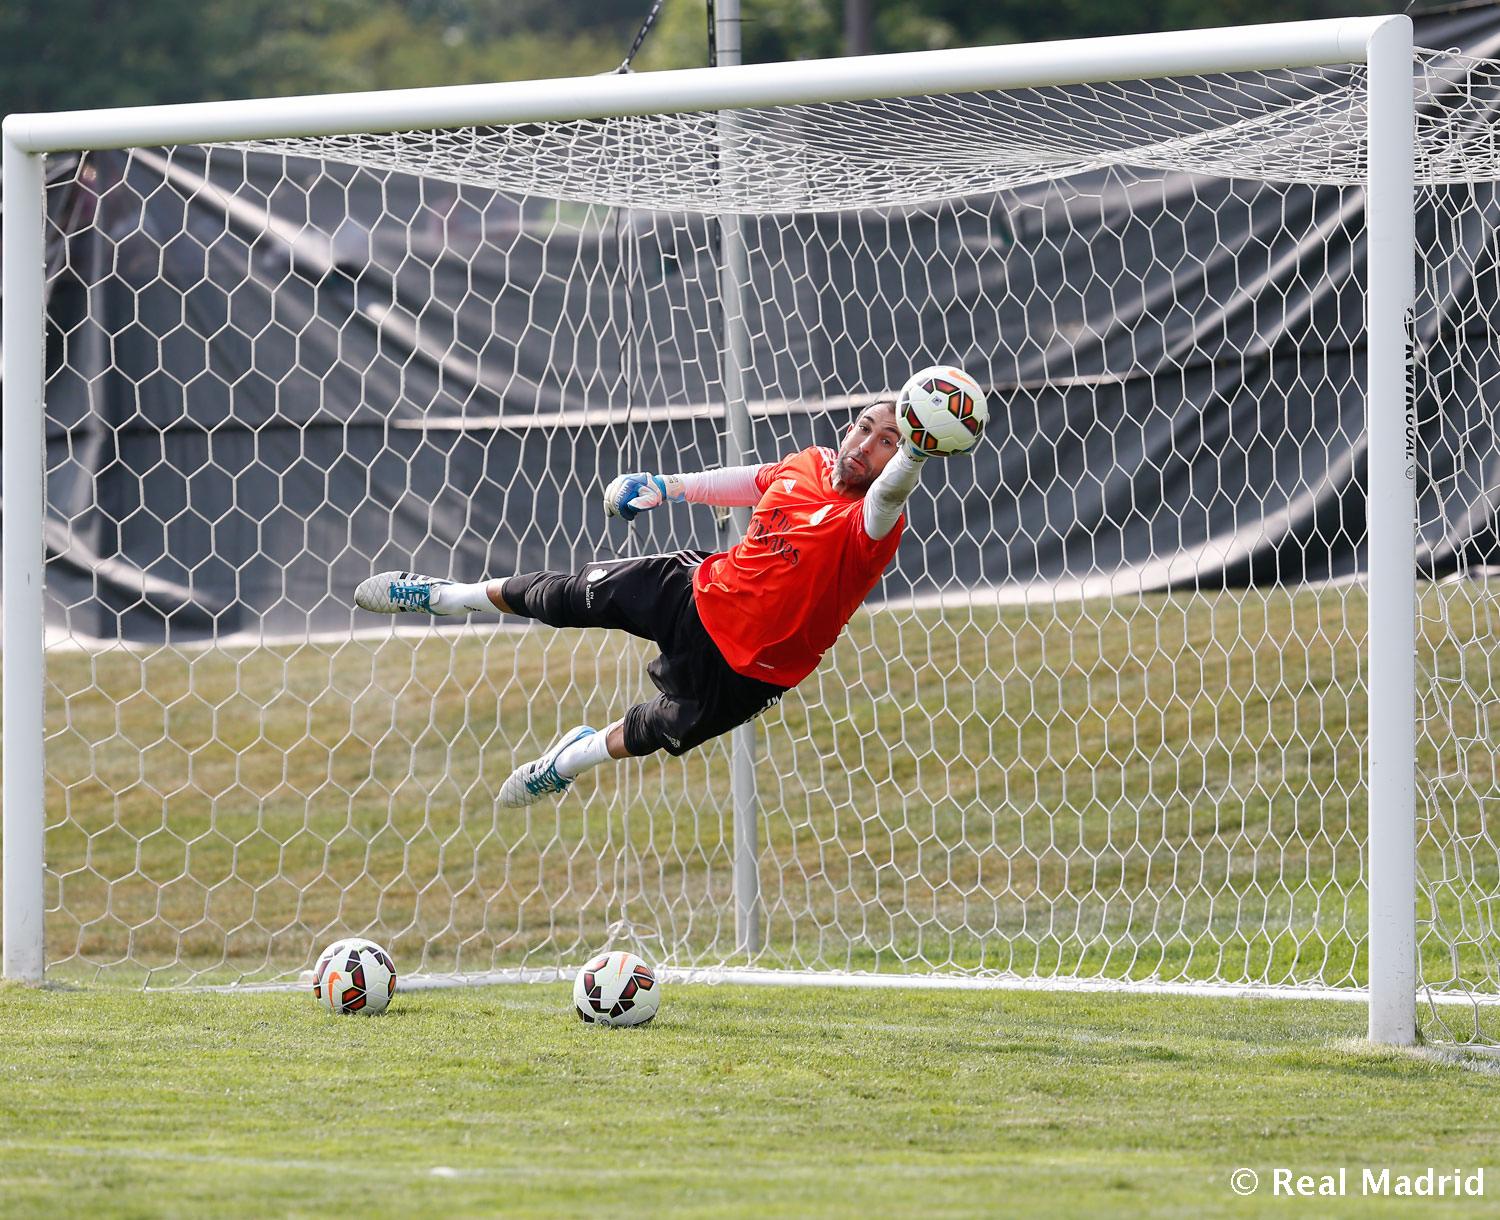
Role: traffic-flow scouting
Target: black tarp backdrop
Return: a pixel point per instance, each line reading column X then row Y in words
column 248, row 413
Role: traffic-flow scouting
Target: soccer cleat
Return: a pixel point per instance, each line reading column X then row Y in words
column 530, row 782
column 392, row 592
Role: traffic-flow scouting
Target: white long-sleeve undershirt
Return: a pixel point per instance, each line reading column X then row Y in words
column 728, row 487
column 735, row 487
column 889, row 492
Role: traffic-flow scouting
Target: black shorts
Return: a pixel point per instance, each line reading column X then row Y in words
column 652, row 597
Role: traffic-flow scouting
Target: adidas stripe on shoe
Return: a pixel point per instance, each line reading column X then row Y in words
column 532, row 781
column 394, row 592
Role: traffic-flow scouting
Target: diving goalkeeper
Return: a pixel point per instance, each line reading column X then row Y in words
column 736, row 629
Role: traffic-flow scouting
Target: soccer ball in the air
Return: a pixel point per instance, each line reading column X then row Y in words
column 354, row 975
column 941, row 410
column 616, row 989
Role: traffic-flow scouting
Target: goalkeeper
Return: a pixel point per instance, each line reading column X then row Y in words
column 736, row 629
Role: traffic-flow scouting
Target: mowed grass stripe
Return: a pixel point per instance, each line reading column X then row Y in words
column 737, row 1101
column 1163, row 786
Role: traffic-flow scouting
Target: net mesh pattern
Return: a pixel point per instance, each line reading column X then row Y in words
column 1105, row 717
column 1299, row 125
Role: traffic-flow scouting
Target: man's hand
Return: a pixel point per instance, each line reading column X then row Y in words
column 634, row 493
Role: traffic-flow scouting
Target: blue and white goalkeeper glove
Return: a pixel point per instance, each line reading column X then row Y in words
column 630, row 494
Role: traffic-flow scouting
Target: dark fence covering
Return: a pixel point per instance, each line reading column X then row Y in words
column 269, row 376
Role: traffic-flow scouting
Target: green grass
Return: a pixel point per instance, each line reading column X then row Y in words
column 1158, row 787
column 736, row 1102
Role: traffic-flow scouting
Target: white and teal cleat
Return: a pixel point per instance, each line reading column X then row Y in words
column 530, row 782
column 393, row 592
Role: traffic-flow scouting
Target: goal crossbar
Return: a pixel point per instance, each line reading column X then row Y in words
column 859, row 78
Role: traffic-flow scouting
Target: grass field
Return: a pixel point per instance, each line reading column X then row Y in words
column 737, row 1101
column 1166, row 786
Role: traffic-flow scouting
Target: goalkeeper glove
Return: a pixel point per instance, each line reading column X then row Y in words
column 630, row 494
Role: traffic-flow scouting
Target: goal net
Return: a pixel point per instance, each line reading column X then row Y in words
column 1104, row 722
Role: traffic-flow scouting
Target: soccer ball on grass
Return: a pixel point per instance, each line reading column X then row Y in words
column 941, row 410
column 354, row 975
column 616, row 989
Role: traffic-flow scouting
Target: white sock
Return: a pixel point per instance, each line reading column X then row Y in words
column 462, row 599
column 585, row 753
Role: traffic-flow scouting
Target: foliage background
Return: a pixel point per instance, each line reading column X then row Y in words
column 72, row 54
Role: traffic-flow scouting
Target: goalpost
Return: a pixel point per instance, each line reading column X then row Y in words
column 1004, row 773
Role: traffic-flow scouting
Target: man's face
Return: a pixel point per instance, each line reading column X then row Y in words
column 870, row 443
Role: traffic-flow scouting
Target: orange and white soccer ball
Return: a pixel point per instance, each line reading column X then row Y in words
column 941, row 410
column 354, row 976
column 616, row 989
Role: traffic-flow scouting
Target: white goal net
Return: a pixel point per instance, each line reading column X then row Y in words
column 1104, row 720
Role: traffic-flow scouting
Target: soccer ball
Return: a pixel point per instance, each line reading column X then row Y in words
column 941, row 410
column 354, row 975
column 616, row 989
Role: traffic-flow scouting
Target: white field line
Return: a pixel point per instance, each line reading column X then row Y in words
column 1036, row 595
column 748, row 976
column 393, row 628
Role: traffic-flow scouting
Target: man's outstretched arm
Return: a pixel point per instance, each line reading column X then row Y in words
column 888, row 494
column 641, row 491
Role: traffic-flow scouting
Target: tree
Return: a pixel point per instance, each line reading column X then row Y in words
column 71, row 54
column 857, row 27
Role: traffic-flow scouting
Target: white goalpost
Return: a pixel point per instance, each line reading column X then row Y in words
column 1111, row 721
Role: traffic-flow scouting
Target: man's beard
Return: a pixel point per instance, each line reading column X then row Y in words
column 854, row 479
